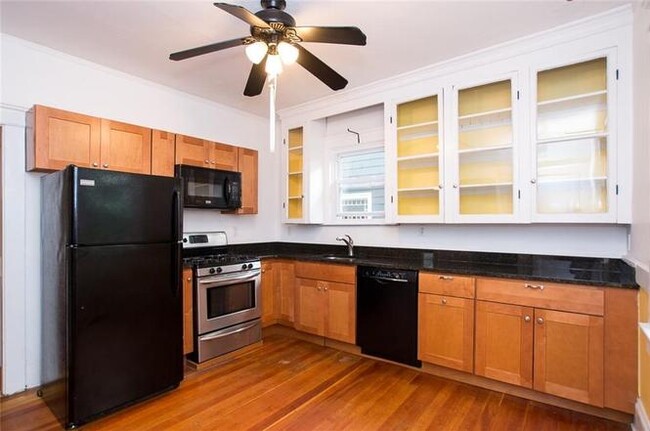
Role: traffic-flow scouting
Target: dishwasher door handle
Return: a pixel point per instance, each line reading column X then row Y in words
column 399, row 280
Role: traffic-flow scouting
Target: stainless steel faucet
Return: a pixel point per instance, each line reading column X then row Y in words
column 347, row 239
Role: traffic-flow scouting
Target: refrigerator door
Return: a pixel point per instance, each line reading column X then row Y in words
column 120, row 208
column 126, row 326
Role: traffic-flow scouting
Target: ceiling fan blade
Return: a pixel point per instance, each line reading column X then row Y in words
column 256, row 79
column 320, row 70
column 189, row 53
column 340, row 35
column 243, row 14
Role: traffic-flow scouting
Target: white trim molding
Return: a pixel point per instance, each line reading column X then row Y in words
column 645, row 330
column 641, row 420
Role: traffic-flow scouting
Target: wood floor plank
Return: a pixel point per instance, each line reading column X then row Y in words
column 288, row 384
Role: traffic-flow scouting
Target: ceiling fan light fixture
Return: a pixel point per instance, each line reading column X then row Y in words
column 273, row 65
column 256, row 51
column 288, row 53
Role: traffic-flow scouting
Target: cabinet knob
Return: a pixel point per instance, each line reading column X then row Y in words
column 189, row 278
column 533, row 180
column 105, row 165
column 455, row 186
column 526, row 318
column 325, row 288
column 212, row 162
column 207, row 161
column 319, row 288
column 444, row 301
column 540, row 320
column 440, row 186
column 95, row 164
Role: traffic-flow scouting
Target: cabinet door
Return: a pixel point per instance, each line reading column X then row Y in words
column 446, row 331
column 504, row 343
column 162, row 153
column 57, row 138
column 287, row 287
column 482, row 163
column 247, row 165
column 295, row 194
column 341, row 311
column 573, row 135
column 188, row 312
column 418, row 153
column 268, row 287
column 310, row 306
column 125, row 147
column 569, row 355
column 223, row 156
column 192, row 151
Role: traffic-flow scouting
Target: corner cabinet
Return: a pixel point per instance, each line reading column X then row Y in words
column 573, row 141
column 295, row 197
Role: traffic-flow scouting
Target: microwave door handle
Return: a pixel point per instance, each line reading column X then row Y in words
column 227, row 190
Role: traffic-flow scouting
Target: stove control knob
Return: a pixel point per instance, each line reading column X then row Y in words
column 211, row 270
column 250, row 266
column 219, row 270
column 244, row 266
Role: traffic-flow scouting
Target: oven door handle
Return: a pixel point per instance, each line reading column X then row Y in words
column 220, row 280
column 225, row 333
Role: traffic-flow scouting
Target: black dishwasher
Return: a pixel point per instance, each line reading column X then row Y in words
column 387, row 314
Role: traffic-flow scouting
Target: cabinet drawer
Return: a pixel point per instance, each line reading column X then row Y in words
column 442, row 284
column 327, row 272
column 562, row 297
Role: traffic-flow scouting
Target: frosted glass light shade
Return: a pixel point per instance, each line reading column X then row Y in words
column 273, row 65
column 288, row 53
column 256, row 51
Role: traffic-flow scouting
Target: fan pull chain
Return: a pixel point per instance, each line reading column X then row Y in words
column 273, row 82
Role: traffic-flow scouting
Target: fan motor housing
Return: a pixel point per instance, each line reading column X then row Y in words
column 274, row 12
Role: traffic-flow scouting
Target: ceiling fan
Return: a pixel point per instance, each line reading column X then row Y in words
column 275, row 39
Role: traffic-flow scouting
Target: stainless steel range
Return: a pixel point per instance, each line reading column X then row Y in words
column 227, row 296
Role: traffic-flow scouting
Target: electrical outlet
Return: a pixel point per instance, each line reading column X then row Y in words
column 421, row 231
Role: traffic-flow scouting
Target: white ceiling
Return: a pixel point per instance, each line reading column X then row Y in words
column 137, row 37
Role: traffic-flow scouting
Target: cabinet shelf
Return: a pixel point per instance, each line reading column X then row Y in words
column 417, row 125
column 483, row 185
column 482, row 149
column 296, row 149
column 418, row 157
column 494, row 112
column 295, row 173
column 295, row 197
column 570, row 180
column 419, row 189
column 573, row 137
column 572, row 98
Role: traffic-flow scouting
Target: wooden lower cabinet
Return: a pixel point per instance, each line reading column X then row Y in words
column 188, row 312
column 286, row 284
column 326, row 307
column 504, row 343
column 446, row 331
column 268, row 293
column 569, row 356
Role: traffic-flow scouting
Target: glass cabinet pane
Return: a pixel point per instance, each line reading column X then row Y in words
column 418, row 158
column 295, row 174
column 485, row 157
column 571, row 149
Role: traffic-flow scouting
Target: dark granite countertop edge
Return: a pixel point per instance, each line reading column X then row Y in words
column 604, row 272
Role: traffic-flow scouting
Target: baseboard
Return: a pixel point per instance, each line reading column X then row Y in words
column 641, row 420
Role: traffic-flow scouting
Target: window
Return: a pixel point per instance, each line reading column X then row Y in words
column 360, row 185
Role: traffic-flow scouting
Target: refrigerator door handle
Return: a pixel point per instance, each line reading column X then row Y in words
column 176, row 256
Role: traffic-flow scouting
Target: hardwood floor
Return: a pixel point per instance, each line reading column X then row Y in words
column 289, row 384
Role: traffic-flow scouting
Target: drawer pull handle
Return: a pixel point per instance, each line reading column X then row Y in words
column 534, row 286
column 540, row 320
column 446, row 277
column 526, row 318
column 444, row 301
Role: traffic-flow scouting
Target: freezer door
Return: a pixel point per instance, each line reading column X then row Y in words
column 120, row 208
column 126, row 326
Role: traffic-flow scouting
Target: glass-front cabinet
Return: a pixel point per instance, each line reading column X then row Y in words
column 419, row 160
column 572, row 156
column 294, row 205
column 482, row 162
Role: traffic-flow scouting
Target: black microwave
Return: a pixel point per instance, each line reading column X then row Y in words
column 209, row 188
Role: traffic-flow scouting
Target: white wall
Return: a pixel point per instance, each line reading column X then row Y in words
column 33, row 74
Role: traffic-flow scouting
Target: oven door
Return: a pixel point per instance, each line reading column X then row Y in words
column 225, row 300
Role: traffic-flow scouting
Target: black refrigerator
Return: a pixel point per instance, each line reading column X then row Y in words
column 112, row 305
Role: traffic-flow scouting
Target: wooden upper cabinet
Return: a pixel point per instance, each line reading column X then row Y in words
column 569, row 355
column 125, row 147
column 248, row 165
column 504, row 343
column 223, row 156
column 192, row 151
column 162, row 153
column 58, row 138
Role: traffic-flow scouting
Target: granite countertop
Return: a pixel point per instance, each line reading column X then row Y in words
column 562, row 269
